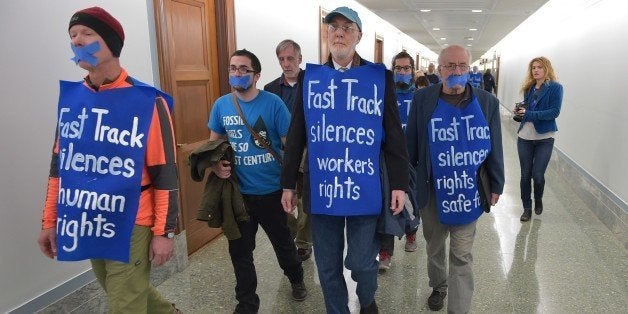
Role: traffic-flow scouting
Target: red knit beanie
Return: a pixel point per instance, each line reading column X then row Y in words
column 102, row 23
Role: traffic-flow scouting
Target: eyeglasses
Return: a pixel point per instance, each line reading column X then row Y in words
column 345, row 28
column 404, row 68
column 452, row 67
column 242, row 69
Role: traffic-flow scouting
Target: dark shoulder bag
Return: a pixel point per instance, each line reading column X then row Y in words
column 263, row 141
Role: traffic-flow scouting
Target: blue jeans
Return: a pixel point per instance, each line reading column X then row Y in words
column 534, row 156
column 328, row 235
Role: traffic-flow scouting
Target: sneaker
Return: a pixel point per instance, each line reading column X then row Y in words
column 384, row 260
column 299, row 293
column 410, row 243
column 538, row 206
column 371, row 309
column 304, row 254
column 436, row 300
column 527, row 214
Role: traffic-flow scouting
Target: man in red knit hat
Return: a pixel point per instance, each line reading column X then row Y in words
column 112, row 190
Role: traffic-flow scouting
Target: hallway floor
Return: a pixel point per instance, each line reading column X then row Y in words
column 563, row 261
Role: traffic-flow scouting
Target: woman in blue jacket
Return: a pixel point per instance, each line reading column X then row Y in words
column 543, row 97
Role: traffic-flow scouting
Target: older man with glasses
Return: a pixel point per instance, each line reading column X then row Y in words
column 342, row 110
column 454, row 137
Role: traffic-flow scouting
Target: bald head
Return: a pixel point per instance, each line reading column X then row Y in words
column 453, row 66
column 454, row 50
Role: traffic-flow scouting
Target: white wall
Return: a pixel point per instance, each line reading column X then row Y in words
column 261, row 25
column 35, row 55
column 584, row 40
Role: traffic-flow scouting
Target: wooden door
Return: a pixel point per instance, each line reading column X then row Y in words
column 188, row 59
column 324, row 49
column 379, row 49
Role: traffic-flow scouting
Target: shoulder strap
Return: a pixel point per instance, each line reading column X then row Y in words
column 256, row 135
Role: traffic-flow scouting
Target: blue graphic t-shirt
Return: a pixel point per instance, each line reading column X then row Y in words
column 343, row 115
column 102, row 144
column 475, row 79
column 459, row 142
column 257, row 170
column 404, row 99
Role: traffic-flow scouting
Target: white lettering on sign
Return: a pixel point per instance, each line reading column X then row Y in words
column 113, row 135
column 370, row 106
column 96, row 227
column 321, row 101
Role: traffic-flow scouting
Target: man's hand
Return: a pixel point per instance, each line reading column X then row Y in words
column 494, row 199
column 48, row 242
column 161, row 250
column 222, row 169
column 397, row 201
column 289, row 200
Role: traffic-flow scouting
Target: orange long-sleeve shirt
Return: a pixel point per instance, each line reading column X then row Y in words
column 159, row 199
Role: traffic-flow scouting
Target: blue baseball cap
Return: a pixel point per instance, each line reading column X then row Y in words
column 347, row 13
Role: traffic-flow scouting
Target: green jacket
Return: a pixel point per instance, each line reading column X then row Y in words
column 222, row 205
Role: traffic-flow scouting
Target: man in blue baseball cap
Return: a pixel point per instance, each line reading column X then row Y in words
column 346, row 13
column 339, row 126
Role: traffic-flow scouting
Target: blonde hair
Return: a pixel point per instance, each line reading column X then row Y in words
column 529, row 81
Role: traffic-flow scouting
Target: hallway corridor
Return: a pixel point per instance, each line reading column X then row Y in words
column 564, row 261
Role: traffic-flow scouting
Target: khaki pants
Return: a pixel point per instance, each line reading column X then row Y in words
column 458, row 282
column 127, row 285
column 300, row 229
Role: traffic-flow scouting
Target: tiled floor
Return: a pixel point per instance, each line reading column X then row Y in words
column 564, row 261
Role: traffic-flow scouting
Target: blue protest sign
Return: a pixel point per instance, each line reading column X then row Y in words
column 459, row 142
column 102, row 143
column 343, row 114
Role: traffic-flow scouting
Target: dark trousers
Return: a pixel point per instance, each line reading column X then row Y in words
column 534, row 156
column 388, row 241
column 265, row 210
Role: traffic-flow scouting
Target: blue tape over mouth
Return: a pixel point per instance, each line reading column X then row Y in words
column 86, row 53
column 454, row 80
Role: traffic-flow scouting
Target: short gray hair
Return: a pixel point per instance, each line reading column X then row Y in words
column 442, row 53
column 284, row 44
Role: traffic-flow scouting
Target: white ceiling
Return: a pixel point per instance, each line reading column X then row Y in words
column 455, row 19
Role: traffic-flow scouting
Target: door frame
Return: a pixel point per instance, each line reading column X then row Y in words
column 226, row 43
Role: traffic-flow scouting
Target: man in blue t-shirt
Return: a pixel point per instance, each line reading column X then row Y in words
column 475, row 78
column 257, row 171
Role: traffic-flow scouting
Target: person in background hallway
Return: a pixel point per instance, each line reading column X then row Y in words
column 543, row 97
column 139, row 170
column 475, row 78
column 489, row 82
column 422, row 82
column 431, row 76
column 289, row 56
column 320, row 126
column 258, row 173
column 440, row 126
column 403, row 69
